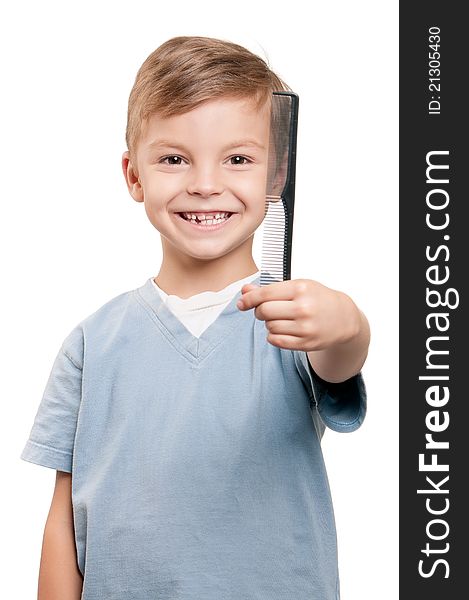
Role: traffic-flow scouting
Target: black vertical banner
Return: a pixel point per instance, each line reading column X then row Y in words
column 434, row 269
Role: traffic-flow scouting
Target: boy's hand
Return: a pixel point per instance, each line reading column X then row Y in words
column 301, row 314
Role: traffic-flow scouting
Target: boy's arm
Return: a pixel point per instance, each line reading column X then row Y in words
column 59, row 576
column 344, row 360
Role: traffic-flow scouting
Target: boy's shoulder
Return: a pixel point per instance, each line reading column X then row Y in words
column 101, row 323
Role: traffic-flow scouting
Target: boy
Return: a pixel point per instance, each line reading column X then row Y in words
column 185, row 427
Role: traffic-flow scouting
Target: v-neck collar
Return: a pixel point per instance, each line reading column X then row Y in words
column 193, row 348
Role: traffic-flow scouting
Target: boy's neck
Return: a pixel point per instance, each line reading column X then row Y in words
column 187, row 280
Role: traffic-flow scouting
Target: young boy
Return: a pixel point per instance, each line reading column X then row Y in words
column 185, row 427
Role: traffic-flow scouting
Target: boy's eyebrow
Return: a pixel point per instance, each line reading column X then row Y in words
column 234, row 144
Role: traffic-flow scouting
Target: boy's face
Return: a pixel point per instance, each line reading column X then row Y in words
column 212, row 159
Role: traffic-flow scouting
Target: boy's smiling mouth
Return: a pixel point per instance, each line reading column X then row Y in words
column 208, row 220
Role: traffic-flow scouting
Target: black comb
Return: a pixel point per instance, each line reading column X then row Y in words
column 280, row 191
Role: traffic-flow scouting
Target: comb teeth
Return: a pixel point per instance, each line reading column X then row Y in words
column 274, row 242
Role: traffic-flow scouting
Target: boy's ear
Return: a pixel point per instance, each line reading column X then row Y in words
column 277, row 185
column 131, row 178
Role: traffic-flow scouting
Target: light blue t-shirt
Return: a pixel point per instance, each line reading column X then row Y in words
column 197, row 471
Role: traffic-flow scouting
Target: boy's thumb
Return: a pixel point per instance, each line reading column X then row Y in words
column 247, row 287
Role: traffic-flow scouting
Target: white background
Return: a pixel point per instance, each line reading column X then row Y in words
column 72, row 237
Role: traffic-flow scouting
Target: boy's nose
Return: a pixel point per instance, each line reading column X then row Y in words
column 205, row 182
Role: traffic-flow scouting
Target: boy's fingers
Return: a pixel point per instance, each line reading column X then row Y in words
column 256, row 294
column 248, row 286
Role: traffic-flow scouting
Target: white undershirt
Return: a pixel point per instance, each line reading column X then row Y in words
column 199, row 311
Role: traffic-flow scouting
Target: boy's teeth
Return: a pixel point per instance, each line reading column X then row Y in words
column 206, row 218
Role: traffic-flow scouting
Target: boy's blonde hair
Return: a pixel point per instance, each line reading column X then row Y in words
column 186, row 71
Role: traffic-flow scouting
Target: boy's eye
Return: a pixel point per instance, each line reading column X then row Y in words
column 170, row 158
column 235, row 158
column 175, row 160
